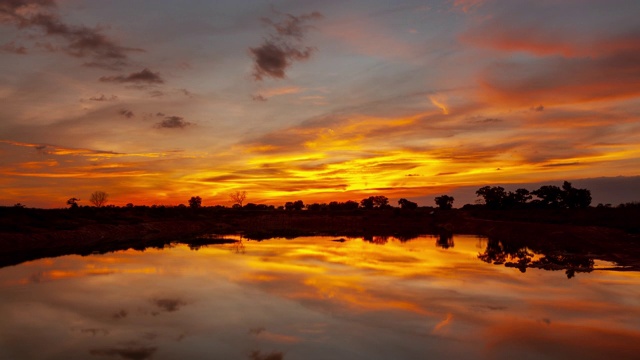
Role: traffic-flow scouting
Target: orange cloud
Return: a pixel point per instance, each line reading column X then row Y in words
column 563, row 81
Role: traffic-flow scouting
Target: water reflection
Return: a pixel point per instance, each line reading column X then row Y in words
column 521, row 257
column 318, row 298
column 445, row 241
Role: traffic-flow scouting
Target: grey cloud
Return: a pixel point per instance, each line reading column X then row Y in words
column 258, row 355
column 126, row 113
column 95, row 331
column 13, row 48
column 102, row 97
column 294, row 26
column 283, row 47
column 186, row 92
column 273, row 59
column 79, row 41
column 169, row 305
column 120, row 314
column 173, row 122
column 131, row 353
column 256, row 331
column 144, row 77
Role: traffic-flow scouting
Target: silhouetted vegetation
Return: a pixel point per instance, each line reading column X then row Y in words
column 375, row 202
column 238, row 197
column 444, row 202
column 549, row 197
column 73, row 203
column 407, row 205
column 99, row 198
column 445, row 240
column 195, row 202
column 554, row 213
column 520, row 256
column 295, row 205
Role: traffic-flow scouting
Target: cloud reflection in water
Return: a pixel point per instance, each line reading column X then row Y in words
column 314, row 298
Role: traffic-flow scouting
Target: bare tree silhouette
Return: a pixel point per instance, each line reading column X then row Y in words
column 238, row 197
column 99, row 198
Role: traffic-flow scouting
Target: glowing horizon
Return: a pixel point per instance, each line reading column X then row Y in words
column 154, row 103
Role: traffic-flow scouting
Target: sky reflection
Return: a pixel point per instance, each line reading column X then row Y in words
column 313, row 298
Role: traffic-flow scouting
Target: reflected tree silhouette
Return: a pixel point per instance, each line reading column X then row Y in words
column 521, row 258
column 238, row 247
column 378, row 240
column 445, row 241
column 259, row 355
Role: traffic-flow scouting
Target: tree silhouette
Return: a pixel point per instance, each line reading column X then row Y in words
column 296, row 205
column 195, row 202
column 73, row 203
column 367, row 203
column 406, row 204
column 445, row 240
column 348, row 205
column 238, row 197
column 99, row 198
column 575, row 198
column 375, row 202
column 493, row 196
column 550, row 196
column 444, row 202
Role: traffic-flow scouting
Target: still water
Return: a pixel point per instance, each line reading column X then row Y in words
column 314, row 298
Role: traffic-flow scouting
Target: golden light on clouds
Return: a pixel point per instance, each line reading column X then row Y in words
column 321, row 103
column 439, row 101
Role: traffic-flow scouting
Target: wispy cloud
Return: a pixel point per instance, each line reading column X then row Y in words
column 61, row 150
column 12, row 48
column 566, row 61
column 143, row 77
column 78, row 40
column 126, row 113
column 283, row 46
column 103, row 97
column 130, row 353
column 173, row 122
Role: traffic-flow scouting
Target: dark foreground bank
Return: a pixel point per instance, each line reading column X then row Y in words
column 569, row 236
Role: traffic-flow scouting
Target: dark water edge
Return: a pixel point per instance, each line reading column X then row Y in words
column 567, row 247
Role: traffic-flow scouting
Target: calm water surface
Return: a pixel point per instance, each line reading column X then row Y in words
column 313, row 298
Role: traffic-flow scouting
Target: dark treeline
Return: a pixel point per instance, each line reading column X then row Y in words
column 548, row 196
column 490, row 197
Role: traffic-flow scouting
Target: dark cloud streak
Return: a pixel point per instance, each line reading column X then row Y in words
column 80, row 41
column 131, row 353
column 102, row 97
column 126, row 113
column 173, row 122
column 283, row 47
column 13, row 48
column 144, row 77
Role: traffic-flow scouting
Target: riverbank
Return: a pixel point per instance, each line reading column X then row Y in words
column 55, row 233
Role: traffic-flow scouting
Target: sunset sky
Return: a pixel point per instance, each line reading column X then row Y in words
column 155, row 101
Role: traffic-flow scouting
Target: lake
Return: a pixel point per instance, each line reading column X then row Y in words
column 318, row 298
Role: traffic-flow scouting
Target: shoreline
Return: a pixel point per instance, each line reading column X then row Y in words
column 576, row 241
